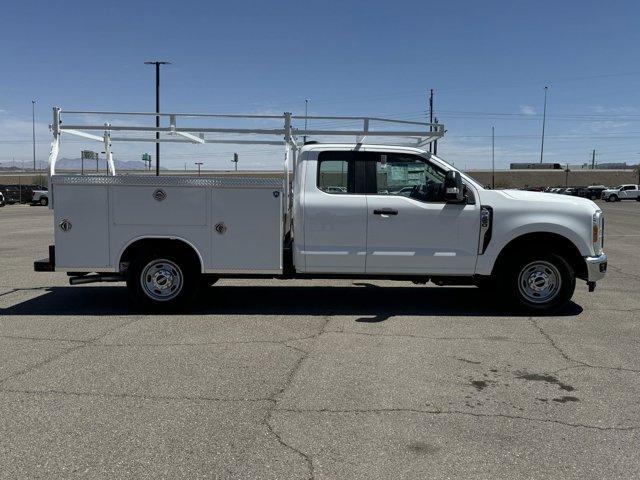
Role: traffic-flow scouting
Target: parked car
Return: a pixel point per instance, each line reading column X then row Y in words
column 40, row 197
column 2, row 201
column 11, row 193
column 621, row 192
column 19, row 193
column 592, row 193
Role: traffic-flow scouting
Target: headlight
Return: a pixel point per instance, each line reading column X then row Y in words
column 597, row 232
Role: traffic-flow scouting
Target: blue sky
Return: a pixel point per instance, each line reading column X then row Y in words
column 487, row 61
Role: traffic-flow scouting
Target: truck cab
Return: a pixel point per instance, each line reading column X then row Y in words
column 381, row 210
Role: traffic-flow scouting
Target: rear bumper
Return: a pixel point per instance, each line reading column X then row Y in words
column 596, row 267
column 46, row 264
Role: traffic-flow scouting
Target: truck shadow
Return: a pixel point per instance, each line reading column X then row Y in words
column 368, row 302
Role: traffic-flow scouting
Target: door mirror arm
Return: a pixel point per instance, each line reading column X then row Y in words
column 454, row 189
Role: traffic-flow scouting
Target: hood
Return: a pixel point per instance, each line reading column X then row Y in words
column 542, row 199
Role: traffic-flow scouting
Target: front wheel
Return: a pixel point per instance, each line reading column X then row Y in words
column 44, row 201
column 614, row 198
column 538, row 283
column 162, row 281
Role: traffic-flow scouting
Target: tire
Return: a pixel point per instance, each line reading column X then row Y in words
column 541, row 283
column 44, row 201
column 614, row 198
column 162, row 281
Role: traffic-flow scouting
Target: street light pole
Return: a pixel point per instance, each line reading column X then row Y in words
column 157, row 63
column 544, row 119
column 33, row 131
column 493, row 162
column 198, row 163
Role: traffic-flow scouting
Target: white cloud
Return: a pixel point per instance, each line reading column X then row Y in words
column 527, row 109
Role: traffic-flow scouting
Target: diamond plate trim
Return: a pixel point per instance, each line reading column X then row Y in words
column 169, row 181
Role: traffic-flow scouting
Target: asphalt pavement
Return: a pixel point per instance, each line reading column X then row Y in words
column 315, row 379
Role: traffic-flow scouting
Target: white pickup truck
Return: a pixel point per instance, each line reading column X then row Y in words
column 621, row 192
column 351, row 210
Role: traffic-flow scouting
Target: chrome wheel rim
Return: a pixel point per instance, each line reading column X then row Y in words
column 162, row 280
column 539, row 282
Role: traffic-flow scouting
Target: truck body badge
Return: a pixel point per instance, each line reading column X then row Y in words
column 65, row 225
column 159, row 195
column 221, row 228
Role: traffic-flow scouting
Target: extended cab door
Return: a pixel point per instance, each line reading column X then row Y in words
column 335, row 214
column 410, row 228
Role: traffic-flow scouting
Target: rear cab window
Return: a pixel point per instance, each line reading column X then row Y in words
column 336, row 172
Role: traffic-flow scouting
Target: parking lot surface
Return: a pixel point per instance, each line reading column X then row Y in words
column 323, row 379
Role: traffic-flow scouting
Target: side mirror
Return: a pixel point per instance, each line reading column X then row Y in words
column 453, row 188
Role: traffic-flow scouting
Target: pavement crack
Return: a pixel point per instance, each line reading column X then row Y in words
column 426, row 337
column 65, row 351
column 137, row 396
column 552, row 342
column 307, row 459
column 25, row 289
column 564, row 355
column 304, row 354
column 622, row 272
column 455, row 412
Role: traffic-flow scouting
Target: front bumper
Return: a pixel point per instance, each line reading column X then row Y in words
column 596, row 267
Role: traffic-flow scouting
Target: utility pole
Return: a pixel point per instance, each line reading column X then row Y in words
column 33, row 131
column 157, row 63
column 430, row 116
column 566, row 176
column 198, row 163
column 435, row 142
column 493, row 158
column 593, row 159
column 235, row 160
column 306, row 112
column 544, row 120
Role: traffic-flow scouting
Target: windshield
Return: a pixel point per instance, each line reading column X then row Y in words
column 464, row 176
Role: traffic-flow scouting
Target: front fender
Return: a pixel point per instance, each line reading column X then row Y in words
column 577, row 232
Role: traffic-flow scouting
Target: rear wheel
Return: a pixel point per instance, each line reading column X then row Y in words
column 162, row 281
column 538, row 283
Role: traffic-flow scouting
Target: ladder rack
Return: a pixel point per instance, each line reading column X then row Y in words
column 417, row 133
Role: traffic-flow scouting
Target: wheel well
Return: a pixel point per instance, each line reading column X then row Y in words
column 159, row 244
column 552, row 242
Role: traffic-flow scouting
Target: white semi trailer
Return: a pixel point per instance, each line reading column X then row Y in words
column 339, row 210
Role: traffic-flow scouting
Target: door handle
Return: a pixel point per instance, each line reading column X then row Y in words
column 385, row 211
